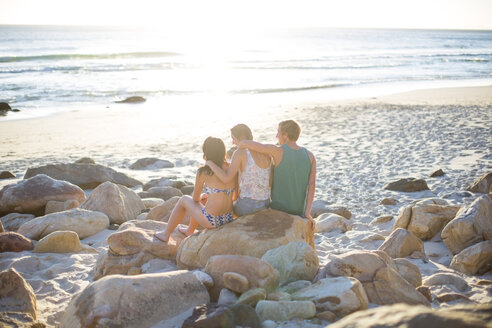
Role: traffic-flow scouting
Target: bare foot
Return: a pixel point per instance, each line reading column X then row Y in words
column 184, row 231
column 161, row 236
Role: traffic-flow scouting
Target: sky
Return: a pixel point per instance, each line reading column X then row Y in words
column 251, row 14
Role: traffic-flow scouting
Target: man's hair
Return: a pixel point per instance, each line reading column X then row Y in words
column 292, row 129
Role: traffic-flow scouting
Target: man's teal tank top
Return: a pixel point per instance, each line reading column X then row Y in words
column 290, row 181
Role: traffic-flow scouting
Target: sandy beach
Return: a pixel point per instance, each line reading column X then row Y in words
column 360, row 145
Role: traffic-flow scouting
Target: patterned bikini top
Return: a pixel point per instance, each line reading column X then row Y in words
column 208, row 190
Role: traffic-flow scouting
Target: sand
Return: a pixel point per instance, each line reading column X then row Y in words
column 360, row 145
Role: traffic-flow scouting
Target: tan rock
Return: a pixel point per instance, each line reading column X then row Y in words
column 278, row 295
column 84, row 223
column 235, row 282
column 483, row 184
column 135, row 301
column 409, row 271
column 60, row 242
column 13, row 221
column 250, row 235
column 340, row 295
column 388, row 201
column 401, row 243
column 476, row 259
column 152, row 202
column 110, row 264
column 285, row 310
column 446, row 279
column 425, row 218
column 258, row 272
column 118, row 202
column 31, row 195
column 382, row 219
column 328, row 222
column 321, row 206
column 469, row 226
column 326, row 316
column 14, row 242
column 1, row 227
column 163, row 211
column 451, row 297
column 16, row 295
column 54, row 206
column 294, row 261
column 424, row 290
column 252, row 296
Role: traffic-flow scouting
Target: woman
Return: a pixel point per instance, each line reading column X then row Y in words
column 253, row 171
column 218, row 209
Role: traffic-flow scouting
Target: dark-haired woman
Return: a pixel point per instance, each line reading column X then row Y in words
column 253, row 171
column 218, row 209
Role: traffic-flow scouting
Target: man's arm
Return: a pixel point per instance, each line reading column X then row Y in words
column 274, row 151
column 230, row 173
column 311, row 189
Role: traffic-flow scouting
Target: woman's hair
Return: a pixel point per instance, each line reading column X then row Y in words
column 242, row 132
column 292, row 129
column 213, row 150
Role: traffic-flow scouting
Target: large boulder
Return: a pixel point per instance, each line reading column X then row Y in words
column 86, row 176
column 258, row 272
column 31, row 195
column 163, row 212
column 16, row 295
column 13, row 221
column 328, row 222
column 151, row 163
column 118, row 202
column 402, row 243
column 340, row 295
column 418, row 316
column 409, row 271
column 407, row 185
column 446, row 279
column 285, row 310
column 250, row 235
column 163, row 193
column 474, row 259
column 471, row 225
column 294, row 261
column 60, row 242
column 14, row 242
column 378, row 274
column 426, row 217
column 84, row 223
column 223, row 316
column 482, row 184
column 135, row 301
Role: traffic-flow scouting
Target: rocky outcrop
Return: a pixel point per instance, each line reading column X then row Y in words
column 482, row 184
column 86, row 176
column 16, row 295
column 118, row 202
column 14, row 242
column 250, row 235
column 471, row 225
column 135, row 301
column 84, row 223
column 31, row 195
column 294, row 261
column 426, row 217
column 476, row 259
column 407, row 185
column 402, row 243
column 151, row 163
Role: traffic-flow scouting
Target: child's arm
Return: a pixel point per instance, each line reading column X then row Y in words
column 311, row 189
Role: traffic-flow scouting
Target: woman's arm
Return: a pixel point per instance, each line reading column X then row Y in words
column 197, row 190
column 226, row 175
column 311, row 189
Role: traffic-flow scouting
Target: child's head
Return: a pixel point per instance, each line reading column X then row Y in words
column 213, row 150
column 289, row 128
column 241, row 132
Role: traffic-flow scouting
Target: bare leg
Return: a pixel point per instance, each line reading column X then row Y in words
column 193, row 224
column 185, row 205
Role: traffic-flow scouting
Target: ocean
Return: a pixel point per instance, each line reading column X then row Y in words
column 44, row 69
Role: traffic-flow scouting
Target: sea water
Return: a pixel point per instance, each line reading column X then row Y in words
column 49, row 68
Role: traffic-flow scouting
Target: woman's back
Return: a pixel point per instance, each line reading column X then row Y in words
column 219, row 194
column 254, row 176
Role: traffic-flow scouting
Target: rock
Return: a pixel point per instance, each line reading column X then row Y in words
column 1, row 227
column 164, row 193
column 321, row 206
column 7, row 175
column 482, row 184
column 169, row 181
column 250, row 235
column 132, row 99
column 151, row 164
column 31, row 195
column 217, row 315
column 425, row 218
column 296, row 285
column 278, row 295
column 18, row 319
column 245, row 316
column 328, row 222
column 119, row 203
column 84, row 223
column 403, row 315
column 407, row 185
column 424, row 290
column 85, row 160
column 388, row 201
column 326, row 316
column 340, row 295
column 476, row 259
column 150, row 203
column 470, row 225
column 205, row 279
column 258, row 272
column 5, row 107
column 409, row 271
column 187, row 190
column 59, row 242
column 285, row 310
column 54, row 206
column 14, row 242
column 378, row 274
column 252, row 296
column 163, row 211
column 382, row 219
column 446, row 279
column 235, row 282
column 437, row 173
column 401, row 243
column 450, row 297
column 135, row 301
column 294, row 261
column 16, row 295
column 13, row 221
column 110, row 264
column 86, row 176
column 227, row 297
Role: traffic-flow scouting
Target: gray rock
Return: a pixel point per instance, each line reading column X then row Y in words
column 407, row 185
column 132, row 99
column 151, row 164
